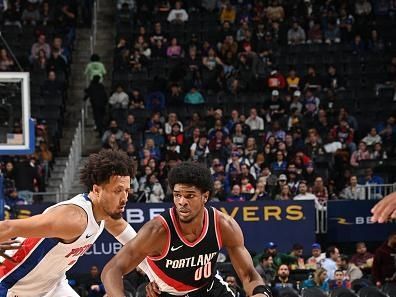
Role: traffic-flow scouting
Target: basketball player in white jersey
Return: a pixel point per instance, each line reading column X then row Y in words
column 55, row 239
column 181, row 245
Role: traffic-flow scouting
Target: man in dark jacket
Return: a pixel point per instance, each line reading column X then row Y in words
column 384, row 266
column 97, row 94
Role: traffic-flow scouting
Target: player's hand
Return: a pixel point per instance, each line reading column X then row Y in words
column 152, row 290
column 385, row 209
column 9, row 245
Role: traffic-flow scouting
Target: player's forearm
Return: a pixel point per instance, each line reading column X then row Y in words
column 254, row 281
column 112, row 280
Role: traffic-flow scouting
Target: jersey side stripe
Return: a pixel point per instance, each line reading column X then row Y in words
column 35, row 254
column 179, row 286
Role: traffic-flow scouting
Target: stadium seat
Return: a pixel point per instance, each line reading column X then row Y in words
column 342, row 292
column 371, row 292
column 357, row 284
column 288, row 292
column 313, row 292
column 389, row 289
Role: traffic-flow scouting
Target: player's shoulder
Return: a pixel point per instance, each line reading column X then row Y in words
column 156, row 226
column 71, row 213
column 225, row 221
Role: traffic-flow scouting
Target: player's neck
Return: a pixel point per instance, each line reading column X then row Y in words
column 193, row 227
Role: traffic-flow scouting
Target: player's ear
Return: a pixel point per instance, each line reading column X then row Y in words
column 206, row 196
column 96, row 189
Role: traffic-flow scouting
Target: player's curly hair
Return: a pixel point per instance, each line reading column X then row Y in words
column 101, row 166
column 194, row 174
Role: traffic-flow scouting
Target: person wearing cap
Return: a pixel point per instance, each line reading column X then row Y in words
column 274, row 107
column 317, row 257
column 296, row 101
column 255, row 122
column 278, row 258
column 276, row 81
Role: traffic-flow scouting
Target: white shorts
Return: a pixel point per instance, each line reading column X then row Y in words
column 62, row 289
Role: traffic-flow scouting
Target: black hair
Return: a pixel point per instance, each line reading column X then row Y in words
column 101, row 166
column 95, row 58
column 330, row 250
column 297, row 246
column 194, row 174
column 265, row 256
column 345, row 258
column 338, row 270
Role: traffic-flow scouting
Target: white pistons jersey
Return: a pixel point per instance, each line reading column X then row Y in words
column 41, row 263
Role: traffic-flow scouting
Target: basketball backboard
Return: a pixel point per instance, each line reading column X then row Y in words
column 16, row 125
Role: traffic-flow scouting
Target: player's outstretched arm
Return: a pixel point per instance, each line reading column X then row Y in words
column 233, row 241
column 66, row 222
column 149, row 241
column 385, row 209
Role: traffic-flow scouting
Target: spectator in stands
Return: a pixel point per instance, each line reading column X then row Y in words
column 142, row 47
column 274, row 108
column 314, row 262
column 320, row 190
column 41, row 44
column 275, row 12
column 30, row 15
column 387, row 130
column 174, row 50
column 375, row 43
column 153, row 190
column 296, row 34
column 178, row 15
column 332, row 34
column 219, row 192
column 136, row 100
column 333, row 81
column 95, row 67
column 233, row 285
column 358, row 46
column 57, row 63
column 199, row 151
column 266, row 268
column 236, row 194
column 362, row 259
column 157, row 34
column 12, row 16
column 339, row 281
column 352, row 272
column 354, row 190
column 360, row 154
column 255, row 122
column 344, row 134
column 51, row 87
column 297, row 252
column 119, row 102
column 330, row 263
column 372, row 137
column 283, row 279
column 384, row 269
column 285, row 193
column 6, row 63
column 371, row 179
column 303, row 194
column 315, row 34
column 113, row 129
column 92, row 283
column 276, row 81
column 194, row 97
column 228, row 14
column 111, row 143
column 378, row 153
column 47, row 14
column 279, row 165
column 312, row 80
column 319, row 280
column 261, row 193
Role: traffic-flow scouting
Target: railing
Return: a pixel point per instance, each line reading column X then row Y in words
column 72, row 164
column 94, row 26
column 372, row 192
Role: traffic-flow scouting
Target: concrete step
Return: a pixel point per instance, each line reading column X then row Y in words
column 54, row 182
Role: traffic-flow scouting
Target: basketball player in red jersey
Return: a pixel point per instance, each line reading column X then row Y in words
column 182, row 244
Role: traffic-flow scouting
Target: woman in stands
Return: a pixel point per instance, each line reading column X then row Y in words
column 6, row 63
column 319, row 280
